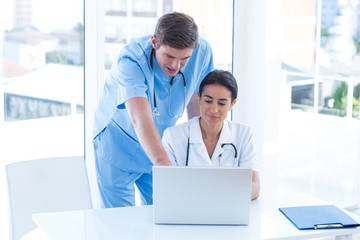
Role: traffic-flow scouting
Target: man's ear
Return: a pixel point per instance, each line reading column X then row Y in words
column 153, row 41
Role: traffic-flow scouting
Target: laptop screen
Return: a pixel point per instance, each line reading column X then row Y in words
column 201, row 195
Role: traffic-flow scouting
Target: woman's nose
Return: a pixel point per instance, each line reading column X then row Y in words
column 214, row 108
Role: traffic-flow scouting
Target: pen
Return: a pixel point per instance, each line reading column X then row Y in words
column 330, row 225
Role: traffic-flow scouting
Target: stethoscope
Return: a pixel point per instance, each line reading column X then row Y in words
column 156, row 112
column 222, row 146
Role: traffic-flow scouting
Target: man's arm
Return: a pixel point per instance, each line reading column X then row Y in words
column 149, row 138
column 193, row 108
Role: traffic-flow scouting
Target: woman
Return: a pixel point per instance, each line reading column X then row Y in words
column 211, row 139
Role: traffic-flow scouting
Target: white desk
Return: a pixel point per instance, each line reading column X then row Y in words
column 135, row 223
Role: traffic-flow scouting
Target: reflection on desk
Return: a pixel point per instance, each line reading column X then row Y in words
column 135, row 223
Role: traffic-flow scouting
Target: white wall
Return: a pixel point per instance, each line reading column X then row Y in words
column 256, row 67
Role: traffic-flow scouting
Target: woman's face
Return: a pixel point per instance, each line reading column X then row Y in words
column 215, row 103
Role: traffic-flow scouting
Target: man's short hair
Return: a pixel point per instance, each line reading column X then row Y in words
column 176, row 30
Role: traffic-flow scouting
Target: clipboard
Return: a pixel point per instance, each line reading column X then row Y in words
column 318, row 217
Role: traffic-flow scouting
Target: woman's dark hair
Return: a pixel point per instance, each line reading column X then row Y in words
column 222, row 78
column 176, row 30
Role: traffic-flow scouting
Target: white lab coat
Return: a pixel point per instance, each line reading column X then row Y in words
column 175, row 141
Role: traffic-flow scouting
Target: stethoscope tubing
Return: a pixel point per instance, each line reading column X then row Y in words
column 222, row 146
column 156, row 112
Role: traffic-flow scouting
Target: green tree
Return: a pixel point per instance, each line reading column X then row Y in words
column 78, row 28
column 356, row 101
column 340, row 97
column 56, row 57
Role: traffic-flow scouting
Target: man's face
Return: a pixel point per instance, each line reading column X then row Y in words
column 171, row 60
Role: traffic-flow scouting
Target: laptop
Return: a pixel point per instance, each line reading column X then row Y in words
column 201, row 195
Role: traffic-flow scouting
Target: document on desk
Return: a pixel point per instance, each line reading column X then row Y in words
column 318, row 217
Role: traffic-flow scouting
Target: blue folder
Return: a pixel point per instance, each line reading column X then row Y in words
column 318, row 217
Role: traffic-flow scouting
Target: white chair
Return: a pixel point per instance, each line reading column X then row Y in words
column 45, row 185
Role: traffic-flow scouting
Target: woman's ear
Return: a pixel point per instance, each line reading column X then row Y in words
column 199, row 97
column 232, row 104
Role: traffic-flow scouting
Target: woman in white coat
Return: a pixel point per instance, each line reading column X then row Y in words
column 211, row 139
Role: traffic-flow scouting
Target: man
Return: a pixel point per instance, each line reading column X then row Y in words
column 148, row 87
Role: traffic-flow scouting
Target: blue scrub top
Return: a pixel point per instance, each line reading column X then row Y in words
column 132, row 76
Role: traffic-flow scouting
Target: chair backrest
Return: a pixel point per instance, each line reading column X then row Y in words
column 45, row 185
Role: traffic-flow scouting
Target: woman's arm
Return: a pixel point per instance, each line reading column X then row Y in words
column 255, row 189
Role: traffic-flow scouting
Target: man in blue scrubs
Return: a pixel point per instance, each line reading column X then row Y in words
column 148, row 88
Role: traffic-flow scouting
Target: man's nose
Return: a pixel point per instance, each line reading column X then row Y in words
column 176, row 64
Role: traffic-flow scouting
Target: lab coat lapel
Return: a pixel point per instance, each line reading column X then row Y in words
column 196, row 140
column 225, row 137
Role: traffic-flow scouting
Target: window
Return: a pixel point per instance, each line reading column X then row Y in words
column 41, row 82
column 320, row 60
column 279, row 62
